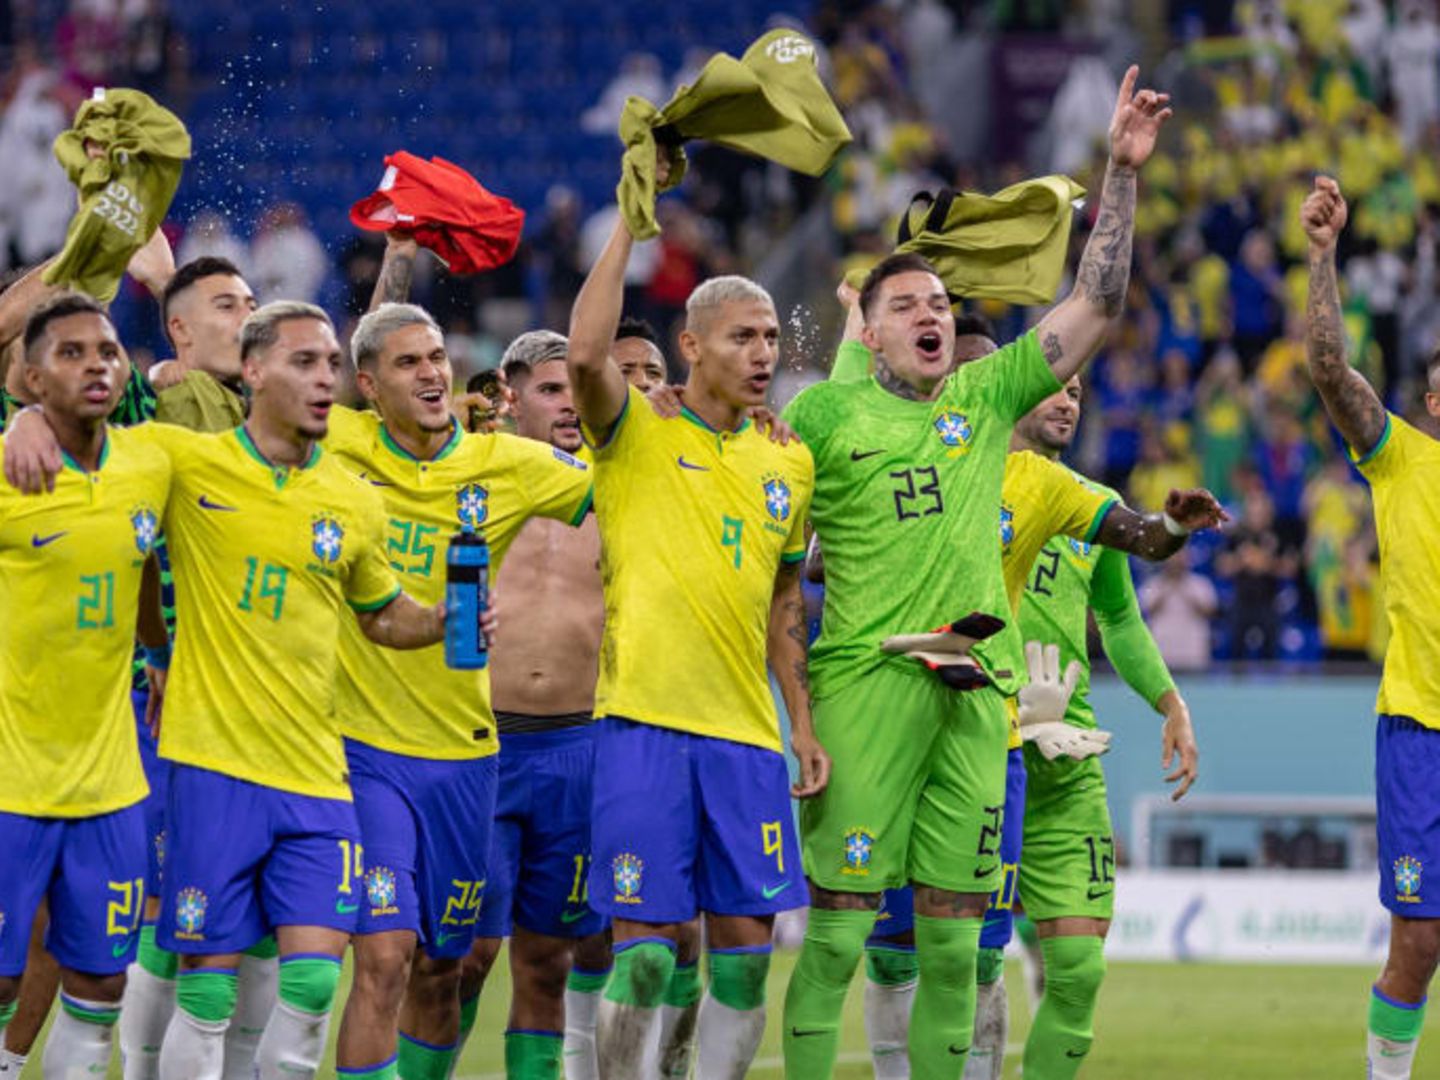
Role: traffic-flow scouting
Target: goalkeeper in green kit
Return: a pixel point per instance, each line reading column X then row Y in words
column 909, row 466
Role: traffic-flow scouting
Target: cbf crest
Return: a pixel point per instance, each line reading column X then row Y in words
column 1407, row 879
column 777, row 497
column 327, row 539
column 146, row 524
column 472, row 505
column 628, row 872
column 380, row 890
column 955, row 431
column 190, row 906
column 1007, row 526
column 858, row 845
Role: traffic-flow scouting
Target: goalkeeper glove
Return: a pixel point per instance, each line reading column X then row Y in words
column 946, row 651
column 1043, row 701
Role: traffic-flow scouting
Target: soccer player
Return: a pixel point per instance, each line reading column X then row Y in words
column 701, row 522
column 909, row 467
column 543, row 682
column 1402, row 464
column 420, row 738
column 269, row 537
column 637, row 352
column 1040, row 499
column 1067, row 870
column 202, row 309
column 70, row 572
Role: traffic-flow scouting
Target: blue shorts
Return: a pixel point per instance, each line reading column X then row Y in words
column 897, row 906
column 426, row 827
column 540, row 850
column 91, row 870
column 157, row 775
column 682, row 822
column 243, row 859
column 1407, row 815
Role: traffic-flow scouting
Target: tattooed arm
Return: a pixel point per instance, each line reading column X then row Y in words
column 1148, row 536
column 1354, row 407
column 787, row 649
column 397, row 270
column 1075, row 328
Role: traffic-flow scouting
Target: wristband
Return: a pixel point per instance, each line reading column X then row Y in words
column 157, row 656
column 1173, row 527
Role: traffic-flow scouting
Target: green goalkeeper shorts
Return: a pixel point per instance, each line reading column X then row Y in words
column 1067, row 861
column 917, row 786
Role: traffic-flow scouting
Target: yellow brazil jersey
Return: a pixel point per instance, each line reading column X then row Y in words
column 410, row 702
column 1041, row 498
column 70, row 564
column 1404, row 475
column 265, row 558
column 694, row 524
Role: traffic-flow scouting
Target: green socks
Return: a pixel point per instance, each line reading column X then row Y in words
column 889, row 966
column 1064, row 1025
column 683, row 989
column 424, row 1061
column 815, row 998
column 989, row 966
column 386, row 1070
column 207, row 994
column 943, row 1016
column 737, row 977
column 642, row 973
column 533, row 1055
column 155, row 960
column 1393, row 1037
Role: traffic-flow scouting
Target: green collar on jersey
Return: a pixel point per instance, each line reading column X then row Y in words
column 71, row 463
column 698, row 422
column 451, row 444
column 281, row 472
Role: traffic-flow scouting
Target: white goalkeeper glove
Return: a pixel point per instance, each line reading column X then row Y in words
column 945, row 652
column 1043, row 701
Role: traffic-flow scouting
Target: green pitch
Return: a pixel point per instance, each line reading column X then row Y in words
column 1180, row 1022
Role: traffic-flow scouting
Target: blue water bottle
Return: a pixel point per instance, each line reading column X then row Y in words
column 467, row 596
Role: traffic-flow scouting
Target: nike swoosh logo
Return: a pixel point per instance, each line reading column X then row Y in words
column 374, row 482
column 568, row 917
column 985, row 871
column 443, row 938
column 206, row 504
column 772, row 891
column 798, row 1034
column 1076, row 1053
column 1091, row 894
column 342, row 908
column 118, row 951
column 687, row 465
column 958, row 1050
column 857, row 455
column 36, row 540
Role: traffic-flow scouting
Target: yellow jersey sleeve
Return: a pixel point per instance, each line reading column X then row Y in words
column 70, row 567
column 694, row 523
column 1404, row 475
column 409, row 702
column 370, row 582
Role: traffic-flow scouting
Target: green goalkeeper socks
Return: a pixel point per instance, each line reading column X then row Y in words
column 942, row 1019
column 1064, row 1025
column 815, row 998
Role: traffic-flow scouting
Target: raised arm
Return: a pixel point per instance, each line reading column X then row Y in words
column 787, row 653
column 1072, row 332
column 598, row 383
column 1155, row 537
column 1354, row 407
column 397, row 269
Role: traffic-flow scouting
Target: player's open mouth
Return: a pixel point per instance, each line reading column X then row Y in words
column 759, row 383
column 98, row 392
column 320, row 409
column 567, row 425
column 928, row 345
column 434, row 396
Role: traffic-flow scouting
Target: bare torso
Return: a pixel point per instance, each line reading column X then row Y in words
column 551, row 612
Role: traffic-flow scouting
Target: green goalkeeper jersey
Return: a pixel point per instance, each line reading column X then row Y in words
column 906, row 497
